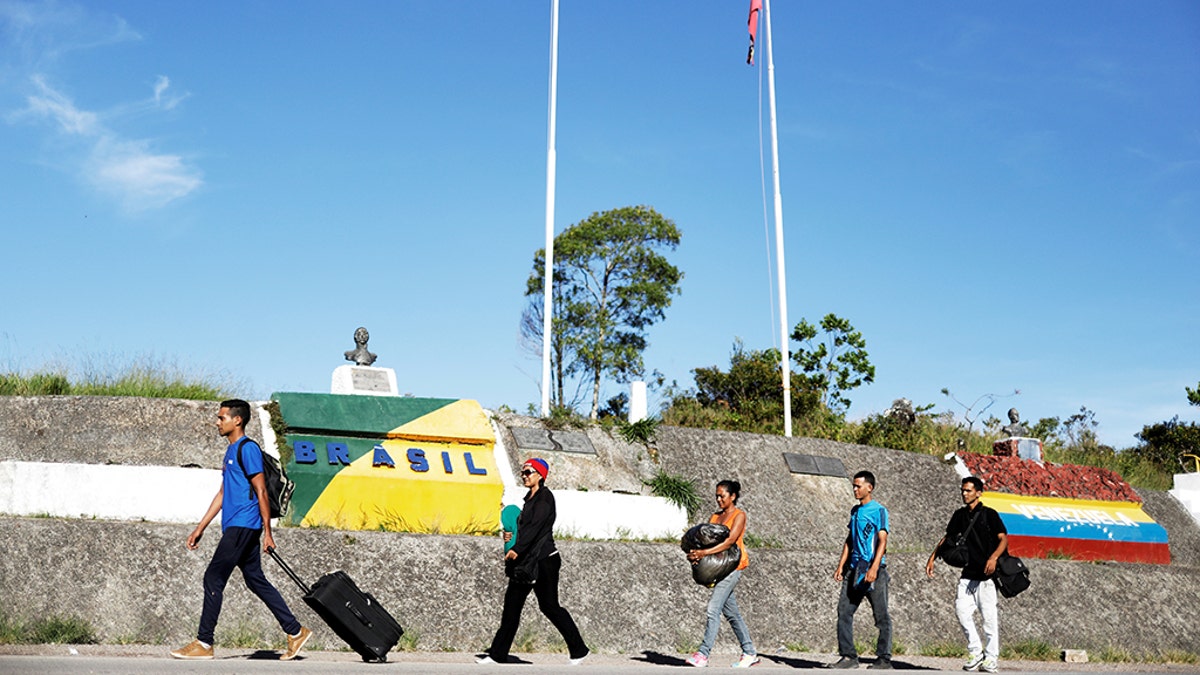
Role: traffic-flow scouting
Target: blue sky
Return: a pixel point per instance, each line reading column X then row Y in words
column 999, row 196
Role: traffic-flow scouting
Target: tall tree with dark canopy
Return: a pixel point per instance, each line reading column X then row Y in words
column 612, row 282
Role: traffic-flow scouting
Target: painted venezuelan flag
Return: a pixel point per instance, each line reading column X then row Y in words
column 1080, row 528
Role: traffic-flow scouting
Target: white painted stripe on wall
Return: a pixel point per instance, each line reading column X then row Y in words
column 612, row 515
column 111, row 492
column 179, row 495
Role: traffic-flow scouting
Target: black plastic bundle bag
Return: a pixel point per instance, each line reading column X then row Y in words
column 711, row 569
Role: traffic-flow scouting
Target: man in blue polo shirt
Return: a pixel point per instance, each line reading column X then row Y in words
column 863, row 569
column 245, row 524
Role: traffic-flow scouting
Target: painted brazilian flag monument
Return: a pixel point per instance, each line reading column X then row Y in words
column 393, row 463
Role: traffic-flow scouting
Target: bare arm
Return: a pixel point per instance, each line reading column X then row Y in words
column 735, row 532
column 837, row 573
column 880, row 549
column 259, row 484
column 193, row 540
column 933, row 557
column 990, row 567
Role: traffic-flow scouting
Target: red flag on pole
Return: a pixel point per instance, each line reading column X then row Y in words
column 755, row 8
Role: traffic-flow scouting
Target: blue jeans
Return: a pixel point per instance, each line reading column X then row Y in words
column 723, row 602
column 848, row 604
column 239, row 547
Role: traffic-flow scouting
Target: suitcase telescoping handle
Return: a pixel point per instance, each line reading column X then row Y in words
column 295, row 577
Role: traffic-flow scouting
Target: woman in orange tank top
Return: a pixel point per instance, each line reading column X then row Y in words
column 723, row 600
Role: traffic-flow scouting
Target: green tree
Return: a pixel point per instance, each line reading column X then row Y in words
column 746, row 397
column 1165, row 443
column 753, row 376
column 1047, row 429
column 531, row 331
column 835, row 363
column 1080, row 430
column 612, row 282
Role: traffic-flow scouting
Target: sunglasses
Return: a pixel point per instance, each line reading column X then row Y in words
column 528, row 472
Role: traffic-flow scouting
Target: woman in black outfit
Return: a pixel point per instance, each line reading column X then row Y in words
column 533, row 564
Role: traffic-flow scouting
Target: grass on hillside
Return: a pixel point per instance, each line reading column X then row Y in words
column 145, row 376
column 930, row 434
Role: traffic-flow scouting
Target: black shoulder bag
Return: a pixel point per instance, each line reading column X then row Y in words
column 955, row 553
column 1011, row 575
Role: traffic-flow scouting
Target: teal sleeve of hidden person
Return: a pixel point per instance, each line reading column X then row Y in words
column 508, row 521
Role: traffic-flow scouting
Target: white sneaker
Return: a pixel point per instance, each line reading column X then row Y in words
column 973, row 662
column 990, row 666
column 485, row 660
column 575, row 662
column 746, row 661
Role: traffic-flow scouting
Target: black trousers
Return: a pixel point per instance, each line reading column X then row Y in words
column 546, row 590
column 239, row 548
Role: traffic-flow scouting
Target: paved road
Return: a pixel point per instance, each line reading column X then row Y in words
column 142, row 659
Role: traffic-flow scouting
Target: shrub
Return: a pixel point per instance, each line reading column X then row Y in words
column 641, row 431
column 944, row 649
column 1162, row 444
column 563, row 417
column 677, row 490
column 1031, row 650
column 47, row 630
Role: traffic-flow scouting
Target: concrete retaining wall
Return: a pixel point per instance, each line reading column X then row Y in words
column 110, row 430
column 135, row 581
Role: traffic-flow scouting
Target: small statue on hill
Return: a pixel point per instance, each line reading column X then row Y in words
column 359, row 355
column 1014, row 429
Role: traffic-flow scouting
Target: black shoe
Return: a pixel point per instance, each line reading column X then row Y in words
column 845, row 662
column 881, row 664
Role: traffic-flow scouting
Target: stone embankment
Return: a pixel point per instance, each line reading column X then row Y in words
column 134, row 581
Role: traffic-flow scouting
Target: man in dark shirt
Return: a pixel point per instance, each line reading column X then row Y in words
column 986, row 541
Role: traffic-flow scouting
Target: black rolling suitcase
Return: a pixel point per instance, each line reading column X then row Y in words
column 355, row 616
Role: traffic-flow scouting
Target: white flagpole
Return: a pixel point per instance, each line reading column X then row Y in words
column 785, row 350
column 551, row 160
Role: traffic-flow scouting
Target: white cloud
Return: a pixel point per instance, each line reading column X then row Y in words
column 34, row 35
column 34, row 39
column 50, row 103
column 161, row 86
column 160, row 89
column 139, row 178
column 125, row 169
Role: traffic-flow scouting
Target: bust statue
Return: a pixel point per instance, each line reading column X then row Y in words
column 1014, row 429
column 359, row 355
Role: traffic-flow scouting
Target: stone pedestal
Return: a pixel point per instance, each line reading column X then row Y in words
column 1025, row 448
column 364, row 380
